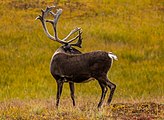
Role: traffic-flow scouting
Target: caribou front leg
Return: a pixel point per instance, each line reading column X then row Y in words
column 71, row 85
column 59, row 91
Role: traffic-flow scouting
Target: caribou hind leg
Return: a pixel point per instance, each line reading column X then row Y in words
column 112, row 87
column 71, row 85
column 104, row 83
column 103, row 94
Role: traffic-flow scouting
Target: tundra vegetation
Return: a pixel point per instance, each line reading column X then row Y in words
column 133, row 30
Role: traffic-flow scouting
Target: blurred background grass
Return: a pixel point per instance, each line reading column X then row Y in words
column 133, row 30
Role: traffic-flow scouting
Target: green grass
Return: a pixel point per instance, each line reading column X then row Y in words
column 133, row 30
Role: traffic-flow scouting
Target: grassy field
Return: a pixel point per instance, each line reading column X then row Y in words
column 133, row 30
column 42, row 109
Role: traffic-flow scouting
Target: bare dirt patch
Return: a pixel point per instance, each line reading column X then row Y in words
column 139, row 111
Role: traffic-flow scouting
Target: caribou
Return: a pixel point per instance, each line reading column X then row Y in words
column 68, row 64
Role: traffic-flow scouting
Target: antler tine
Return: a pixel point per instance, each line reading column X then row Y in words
column 79, row 42
column 72, row 32
column 42, row 19
column 52, row 13
column 56, row 17
column 54, row 23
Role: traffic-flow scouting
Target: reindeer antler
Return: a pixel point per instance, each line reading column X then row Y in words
column 54, row 23
column 79, row 42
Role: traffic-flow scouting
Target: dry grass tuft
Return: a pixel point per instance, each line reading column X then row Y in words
column 45, row 109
